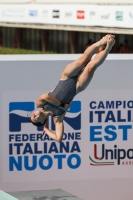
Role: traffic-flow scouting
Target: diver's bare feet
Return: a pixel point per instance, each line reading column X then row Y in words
column 110, row 42
column 103, row 41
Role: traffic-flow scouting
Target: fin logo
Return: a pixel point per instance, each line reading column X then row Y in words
column 15, row 119
column 70, row 118
column 18, row 115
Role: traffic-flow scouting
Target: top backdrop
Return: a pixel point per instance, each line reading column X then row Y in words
column 82, row 15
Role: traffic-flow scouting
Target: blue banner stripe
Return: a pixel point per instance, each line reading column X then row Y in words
column 26, row 106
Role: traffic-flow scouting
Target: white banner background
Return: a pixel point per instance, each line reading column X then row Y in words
column 24, row 78
column 80, row 14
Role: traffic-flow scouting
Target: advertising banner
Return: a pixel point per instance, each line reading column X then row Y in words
column 26, row 153
column 67, row 14
column 101, row 123
column 110, row 139
column 97, row 142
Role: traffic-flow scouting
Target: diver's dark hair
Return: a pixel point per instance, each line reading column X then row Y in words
column 37, row 123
